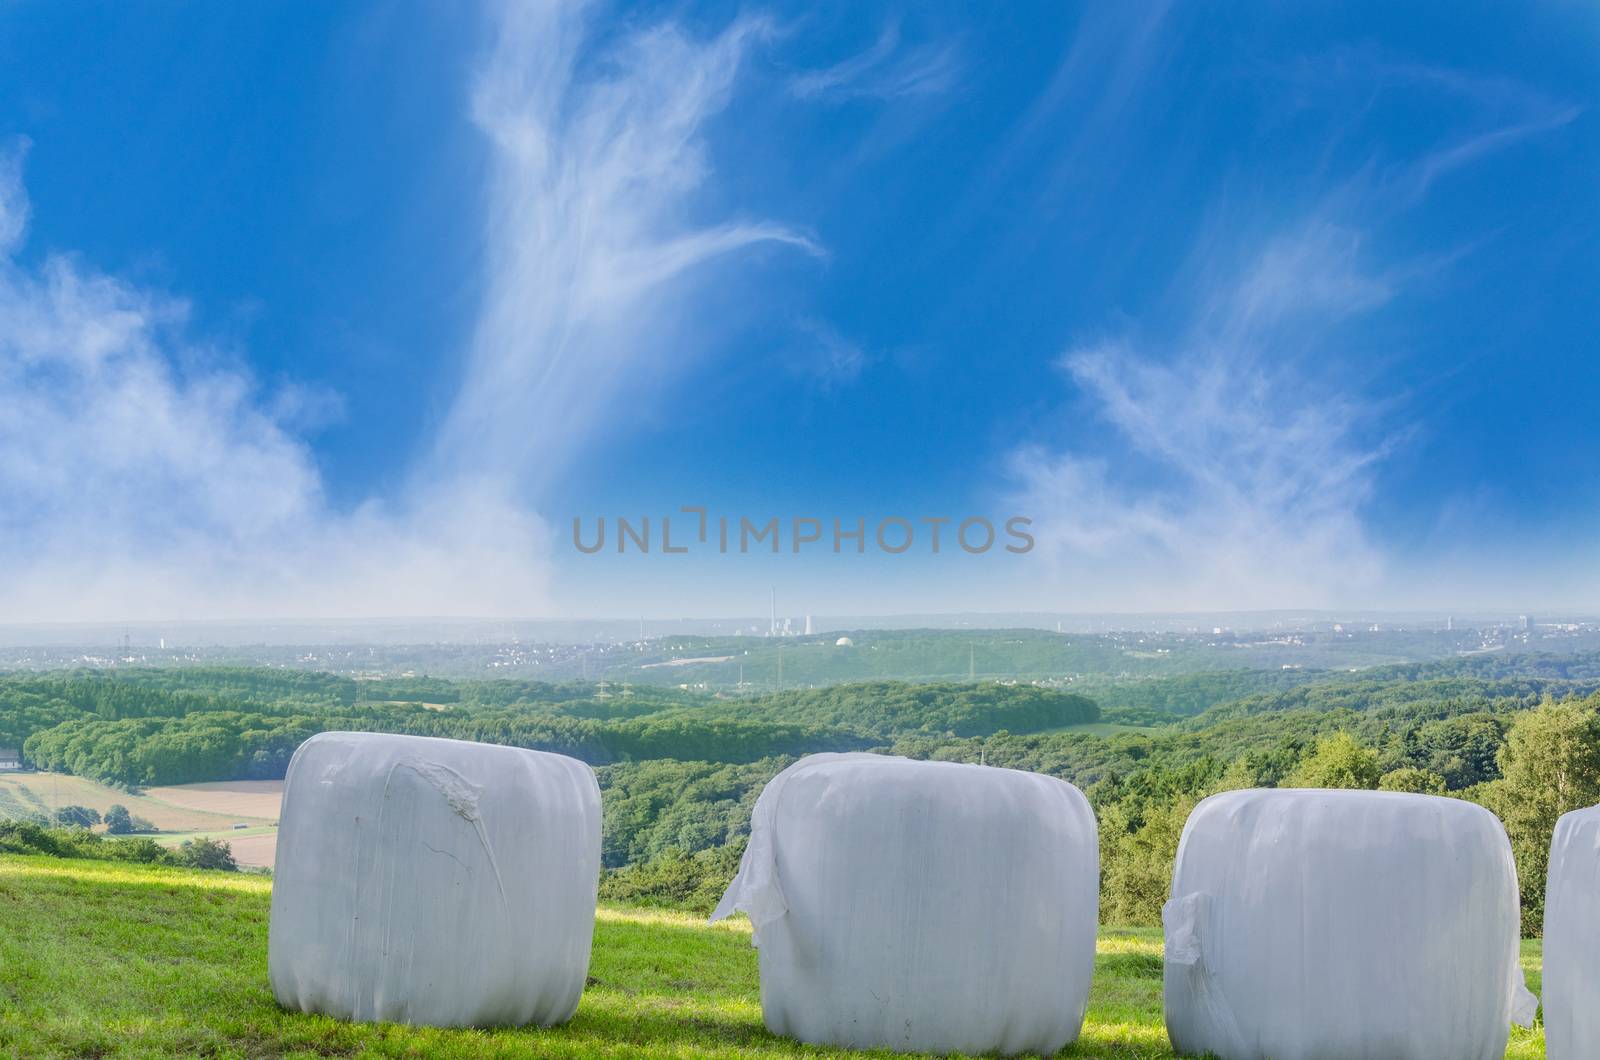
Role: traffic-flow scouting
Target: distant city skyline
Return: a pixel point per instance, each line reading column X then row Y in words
column 777, row 624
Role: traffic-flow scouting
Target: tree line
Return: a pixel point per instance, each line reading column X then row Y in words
column 136, row 731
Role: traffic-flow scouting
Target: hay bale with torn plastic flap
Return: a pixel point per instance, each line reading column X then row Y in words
column 923, row 906
column 1308, row 924
column 434, row 882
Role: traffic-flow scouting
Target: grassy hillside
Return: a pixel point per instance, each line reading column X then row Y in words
column 113, row 960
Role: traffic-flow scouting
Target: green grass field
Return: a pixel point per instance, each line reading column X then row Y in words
column 99, row 959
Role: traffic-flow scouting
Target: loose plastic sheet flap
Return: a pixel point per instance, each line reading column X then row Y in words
column 1180, row 918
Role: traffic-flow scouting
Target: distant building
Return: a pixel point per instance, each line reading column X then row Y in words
column 1525, row 622
column 844, row 642
column 10, row 759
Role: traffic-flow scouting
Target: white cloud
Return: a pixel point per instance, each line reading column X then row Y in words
column 826, row 358
column 594, row 253
column 136, row 485
column 131, row 487
column 1493, row 112
column 1315, row 273
column 883, row 71
column 1243, row 480
column 1455, row 155
column 13, row 196
column 1248, row 451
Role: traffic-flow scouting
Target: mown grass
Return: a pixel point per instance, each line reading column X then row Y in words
column 100, row 959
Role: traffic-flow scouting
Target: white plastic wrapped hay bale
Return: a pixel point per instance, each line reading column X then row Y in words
column 1572, row 939
column 921, row 906
column 1310, row 924
column 434, row 882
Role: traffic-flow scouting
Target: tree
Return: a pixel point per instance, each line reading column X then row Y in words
column 676, row 879
column 1242, row 772
column 1339, row 761
column 206, row 853
column 118, row 820
column 1462, row 750
column 1412, row 779
column 1138, row 864
column 77, row 817
column 1550, row 765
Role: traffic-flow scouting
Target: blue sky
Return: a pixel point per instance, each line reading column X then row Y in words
column 346, row 310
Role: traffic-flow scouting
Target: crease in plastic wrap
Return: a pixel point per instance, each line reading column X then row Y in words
column 434, row 882
column 925, row 906
column 1572, row 939
column 1312, row 924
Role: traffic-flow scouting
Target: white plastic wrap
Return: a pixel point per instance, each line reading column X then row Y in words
column 921, row 906
column 1309, row 924
column 1572, row 939
column 434, row 882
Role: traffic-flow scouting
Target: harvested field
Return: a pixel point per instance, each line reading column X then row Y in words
column 240, row 799
column 171, row 809
column 252, row 847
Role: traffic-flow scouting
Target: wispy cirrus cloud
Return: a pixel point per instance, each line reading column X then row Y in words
column 1497, row 112
column 824, row 357
column 144, row 475
column 1242, row 481
column 1239, row 461
column 13, row 196
column 593, row 255
column 1421, row 176
column 886, row 70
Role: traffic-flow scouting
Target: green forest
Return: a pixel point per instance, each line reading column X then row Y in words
column 680, row 770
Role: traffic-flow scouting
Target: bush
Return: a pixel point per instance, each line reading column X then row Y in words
column 676, row 880
column 205, row 853
column 20, row 837
column 77, row 817
column 143, row 849
column 25, row 837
